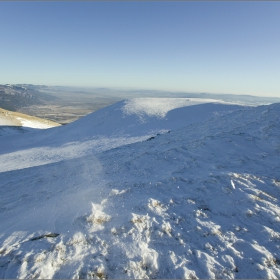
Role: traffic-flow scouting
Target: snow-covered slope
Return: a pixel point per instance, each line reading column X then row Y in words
column 123, row 123
column 13, row 122
column 157, row 188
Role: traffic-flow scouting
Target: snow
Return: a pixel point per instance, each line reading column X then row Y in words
column 145, row 188
column 159, row 107
column 34, row 124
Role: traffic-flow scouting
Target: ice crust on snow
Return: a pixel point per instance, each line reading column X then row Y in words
column 167, row 190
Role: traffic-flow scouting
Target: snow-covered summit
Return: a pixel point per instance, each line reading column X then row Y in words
column 142, row 115
column 144, row 191
column 159, row 107
column 122, row 123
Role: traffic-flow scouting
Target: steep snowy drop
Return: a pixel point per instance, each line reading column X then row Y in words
column 145, row 188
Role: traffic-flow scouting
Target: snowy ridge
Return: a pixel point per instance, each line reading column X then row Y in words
column 159, row 107
column 113, row 124
column 196, row 198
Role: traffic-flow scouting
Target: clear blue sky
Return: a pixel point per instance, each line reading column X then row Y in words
column 217, row 47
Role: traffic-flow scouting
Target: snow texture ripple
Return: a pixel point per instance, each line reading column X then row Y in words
column 145, row 191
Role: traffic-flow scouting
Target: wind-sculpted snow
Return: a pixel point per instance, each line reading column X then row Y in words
column 114, row 122
column 159, row 107
column 200, row 200
column 45, row 155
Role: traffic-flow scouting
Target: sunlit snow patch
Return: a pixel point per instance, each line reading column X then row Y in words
column 159, row 107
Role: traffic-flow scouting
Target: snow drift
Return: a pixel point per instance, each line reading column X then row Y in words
column 145, row 188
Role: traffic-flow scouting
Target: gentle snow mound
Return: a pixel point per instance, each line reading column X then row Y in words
column 159, row 107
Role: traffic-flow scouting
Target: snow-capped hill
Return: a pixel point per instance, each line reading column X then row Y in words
column 122, row 123
column 201, row 201
column 159, row 107
column 148, row 116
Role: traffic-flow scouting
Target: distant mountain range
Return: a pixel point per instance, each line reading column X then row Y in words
column 65, row 104
column 58, row 104
column 14, row 97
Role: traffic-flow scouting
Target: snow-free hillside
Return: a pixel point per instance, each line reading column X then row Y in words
column 13, row 123
column 145, row 188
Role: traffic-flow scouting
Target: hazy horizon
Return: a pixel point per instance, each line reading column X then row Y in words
column 215, row 47
column 139, row 89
